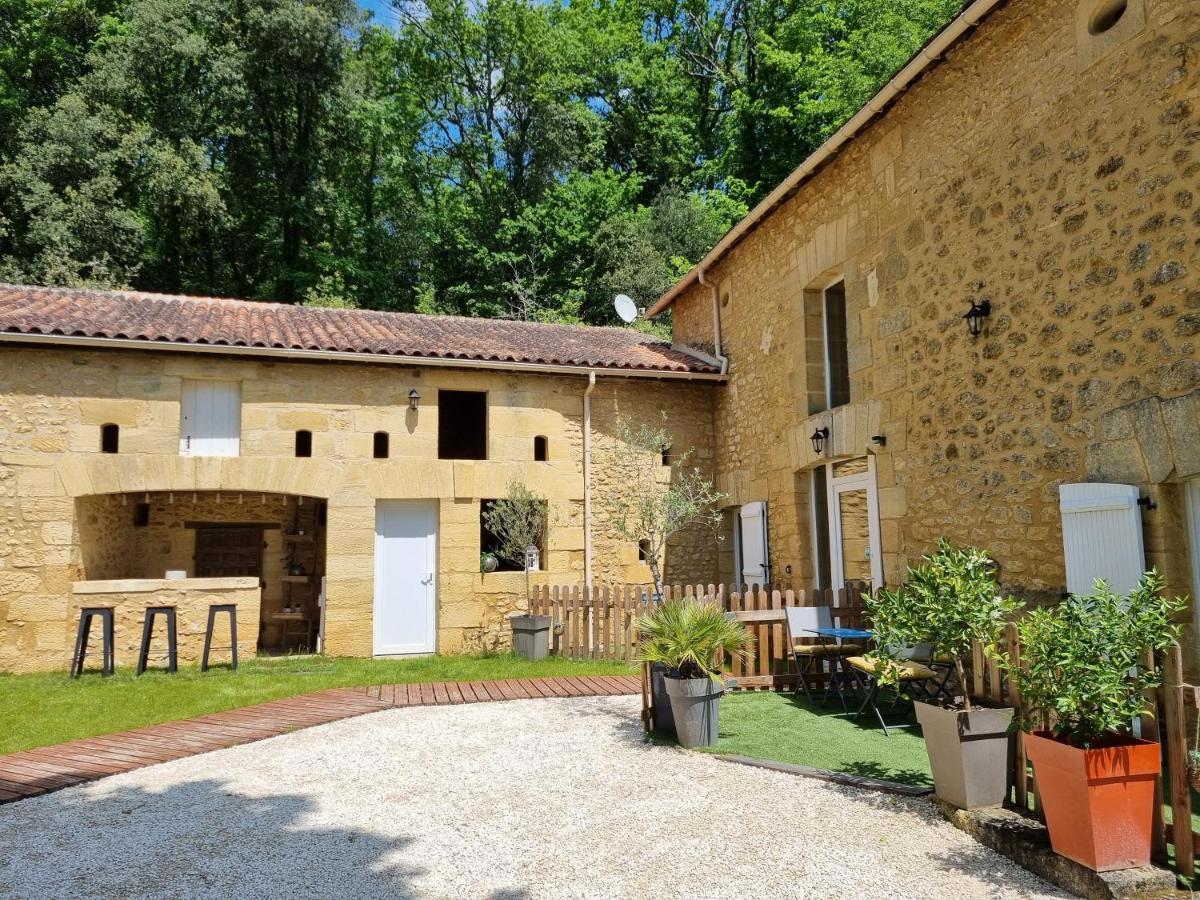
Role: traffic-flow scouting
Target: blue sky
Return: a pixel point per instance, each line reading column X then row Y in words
column 383, row 13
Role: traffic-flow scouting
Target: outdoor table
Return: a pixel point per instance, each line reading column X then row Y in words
column 840, row 674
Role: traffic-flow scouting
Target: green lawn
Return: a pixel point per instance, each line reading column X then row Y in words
column 779, row 727
column 42, row 709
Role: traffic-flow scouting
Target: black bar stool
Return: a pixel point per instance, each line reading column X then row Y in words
column 215, row 608
column 147, row 631
column 81, row 639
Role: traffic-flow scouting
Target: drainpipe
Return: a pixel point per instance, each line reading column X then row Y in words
column 587, row 479
column 716, row 308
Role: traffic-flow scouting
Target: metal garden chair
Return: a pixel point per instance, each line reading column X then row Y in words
column 915, row 672
column 810, row 657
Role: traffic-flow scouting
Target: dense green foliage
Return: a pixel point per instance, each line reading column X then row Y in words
column 1083, row 657
column 691, row 637
column 949, row 601
column 501, row 157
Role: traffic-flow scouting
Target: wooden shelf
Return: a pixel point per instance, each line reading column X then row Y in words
column 298, row 538
column 296, row 579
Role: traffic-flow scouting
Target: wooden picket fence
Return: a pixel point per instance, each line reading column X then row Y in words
column 602, row 624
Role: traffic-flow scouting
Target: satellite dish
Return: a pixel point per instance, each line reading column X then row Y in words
column 625, row 308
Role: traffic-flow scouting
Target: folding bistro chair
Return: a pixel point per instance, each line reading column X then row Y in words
column 915, row 675
column 810, row 657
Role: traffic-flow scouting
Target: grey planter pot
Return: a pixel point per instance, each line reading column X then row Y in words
column 531, row 636
column 663, row 719
column 968, row 753
column 695, row 703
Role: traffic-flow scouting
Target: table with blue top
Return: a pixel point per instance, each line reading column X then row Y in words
column 840, row 678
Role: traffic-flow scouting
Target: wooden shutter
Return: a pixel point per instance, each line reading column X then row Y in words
column 1102, row 536
column 211, row 422
column 753, row 532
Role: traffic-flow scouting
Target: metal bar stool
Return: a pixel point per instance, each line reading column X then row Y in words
column 148, row 630
column 81, row 639
column 213, row 609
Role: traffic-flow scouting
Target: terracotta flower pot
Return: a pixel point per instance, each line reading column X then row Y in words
column 1099, row 802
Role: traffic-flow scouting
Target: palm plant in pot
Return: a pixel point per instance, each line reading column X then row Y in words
column 691, row 638
column 1084, row 683
column 951, row 602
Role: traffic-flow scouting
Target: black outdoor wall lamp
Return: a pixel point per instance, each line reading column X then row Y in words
column 879, row 440
column 818, row 440
column 975, row 316
column 413, row 399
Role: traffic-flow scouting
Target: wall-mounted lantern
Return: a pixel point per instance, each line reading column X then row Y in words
column 975, row 316
column 879, row 440
column 413, row 399
column 818, row 440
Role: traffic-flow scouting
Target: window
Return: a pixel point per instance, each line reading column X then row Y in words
column 211, row 418
column 643, row 551
column 666, row 456
column 1108, row 13
column 462, row 425
column 539, row 449
column 489, row 543
column 837, row 363
column 304, row 443
column 110, row 438
column 381, row 445
column 141, row 515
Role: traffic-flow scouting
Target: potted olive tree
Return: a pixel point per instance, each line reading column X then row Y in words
column 690, row 637
column 950, row 602
column 1082, row 674
column 518, row 522
column 654, row 502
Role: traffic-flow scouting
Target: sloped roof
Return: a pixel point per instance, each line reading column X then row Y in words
column 208, row 322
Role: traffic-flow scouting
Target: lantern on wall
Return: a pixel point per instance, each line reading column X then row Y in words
column 818, row 440
column 414, row 397
column 975, row 316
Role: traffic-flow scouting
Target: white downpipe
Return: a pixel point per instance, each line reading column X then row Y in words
column 916, row 67
column 587, row 479
column 716, row 308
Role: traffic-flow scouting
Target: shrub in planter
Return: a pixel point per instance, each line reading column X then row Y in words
column 519, row 523
column 1082, row 674
column 690, row 637
column 951, row 601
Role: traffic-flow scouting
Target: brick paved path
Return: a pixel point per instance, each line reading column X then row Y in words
column 32, row 772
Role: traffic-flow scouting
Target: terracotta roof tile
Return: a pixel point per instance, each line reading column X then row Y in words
column 240, row 323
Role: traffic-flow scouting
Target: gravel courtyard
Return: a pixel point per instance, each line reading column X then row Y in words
column 528, row 799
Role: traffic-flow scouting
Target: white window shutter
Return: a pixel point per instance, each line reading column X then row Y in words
column 1102, row 536
column 753, row 521
column 211, row 418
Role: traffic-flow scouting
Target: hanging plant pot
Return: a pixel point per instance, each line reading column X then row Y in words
column 1099, row 801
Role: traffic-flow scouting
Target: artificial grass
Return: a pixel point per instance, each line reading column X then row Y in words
column 48, row 708
column 783, row 728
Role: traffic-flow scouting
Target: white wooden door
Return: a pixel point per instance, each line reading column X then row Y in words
column 405, row 577
column 752, row 544
column 855, row 549
column 1102, row 536
column 211, row 418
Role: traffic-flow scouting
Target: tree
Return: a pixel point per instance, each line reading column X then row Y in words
column 518, row 521
column 655, row 502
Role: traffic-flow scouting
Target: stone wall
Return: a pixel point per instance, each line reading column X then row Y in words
column 1049, row 171
column 58, row 492
column 191, row 598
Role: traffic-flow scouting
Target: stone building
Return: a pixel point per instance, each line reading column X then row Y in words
column 1039, row 161
column 178, row 450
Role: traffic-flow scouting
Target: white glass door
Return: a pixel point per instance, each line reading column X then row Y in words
column 855, row 553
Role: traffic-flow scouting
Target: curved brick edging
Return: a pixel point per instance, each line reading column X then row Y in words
column 29, row 773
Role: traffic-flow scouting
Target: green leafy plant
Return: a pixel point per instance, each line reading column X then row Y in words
column 1082, row 668
column 692, row 637
column 950, row 601
column 518, row 521
column 655, row 501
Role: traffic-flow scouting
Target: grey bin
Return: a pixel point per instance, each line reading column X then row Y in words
column 531, row 636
